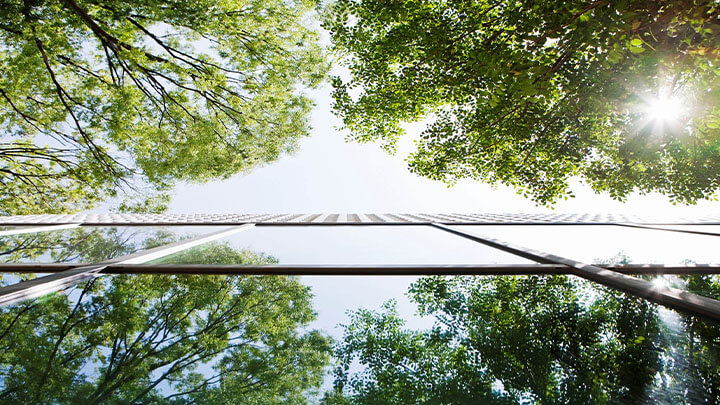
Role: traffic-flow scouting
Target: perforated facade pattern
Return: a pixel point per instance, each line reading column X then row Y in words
column 351, row 218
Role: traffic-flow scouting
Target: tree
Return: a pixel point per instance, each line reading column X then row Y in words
column 624, row 94
column 701, row 343
column 502, row 339
column 166, row 339
column 97, row 96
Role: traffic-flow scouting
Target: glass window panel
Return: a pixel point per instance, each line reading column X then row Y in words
column 12, row 278
column 608, row 243
column 350, row 245
column 30, row 228
column 256, row 327
column 681, row 350
column 91, row 244
column 582, row 341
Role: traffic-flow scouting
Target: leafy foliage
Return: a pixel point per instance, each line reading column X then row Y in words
column 702, row 341
column 101, row 95
column 499, row 340
column 165, row 339
column 530, row 94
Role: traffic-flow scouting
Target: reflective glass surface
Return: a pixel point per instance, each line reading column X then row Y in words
column 163, row 339
column 90, row 244
column 230, row 339
column 707, row 285
column 608, row 243
column 354, row 245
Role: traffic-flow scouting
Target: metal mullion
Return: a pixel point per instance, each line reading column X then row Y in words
column 43, row 285
column 343, row 269
column 348, row 269
column 38, row 267
column 669, row 297
column 660, row 228
column 418, row 270
column 34, row 229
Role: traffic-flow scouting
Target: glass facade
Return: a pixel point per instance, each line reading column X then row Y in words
column 524, row 338
column 90, row 244
column 372, row 245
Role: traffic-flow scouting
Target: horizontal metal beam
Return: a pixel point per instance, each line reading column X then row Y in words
column 337, row 270
column 669, row 297
column 660, row 228
column 351, row 269
column 320, row 224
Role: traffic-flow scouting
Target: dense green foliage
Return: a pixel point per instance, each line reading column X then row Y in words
column 530, row 94
column 102, row 96
column 164, row 339
column 525, row 339
column 702, row 341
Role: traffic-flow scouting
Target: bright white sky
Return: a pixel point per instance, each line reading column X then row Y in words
column 328, row 174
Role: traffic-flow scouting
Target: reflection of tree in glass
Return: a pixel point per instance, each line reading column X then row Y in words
column 689, row 345
column 701, row 342
column 71, row 245
column 531, row 339
column 165, row 339
column 504, row 339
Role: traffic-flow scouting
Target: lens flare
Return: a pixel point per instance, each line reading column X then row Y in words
column 664, row 109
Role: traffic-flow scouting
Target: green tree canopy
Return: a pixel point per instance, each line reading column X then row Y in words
column 165, row 339
column 530, row 94
column 101, row 95
column 526, row 339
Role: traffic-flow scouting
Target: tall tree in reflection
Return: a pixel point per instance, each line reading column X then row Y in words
column 73, row 245
column 501, row 339
column 166, row 339
column 702, row 343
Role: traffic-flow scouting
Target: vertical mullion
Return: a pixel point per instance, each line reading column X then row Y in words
column 43, row 285
column 669, row 297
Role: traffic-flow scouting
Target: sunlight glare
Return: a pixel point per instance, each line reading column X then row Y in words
column 664, row 109
column 661, row 282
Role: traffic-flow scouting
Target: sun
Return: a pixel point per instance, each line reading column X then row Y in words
column 663, row 109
